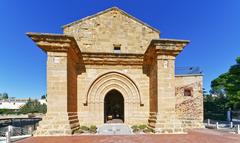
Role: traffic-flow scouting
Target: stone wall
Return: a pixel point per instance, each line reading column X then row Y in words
column 72, row 82
column 189, row 109
column 153, row 85
column 101, row 32
column 134, row 112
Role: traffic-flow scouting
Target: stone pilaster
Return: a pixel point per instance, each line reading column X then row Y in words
column 57, row 97
column 167, row 121
column 159, row 62
column 63, row 56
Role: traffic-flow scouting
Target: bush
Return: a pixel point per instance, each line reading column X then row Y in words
column 84, row 128
column 33, row 106
column 147, row 130
column 78, row 131
column 134, row 127
column 142, row 127
column 7, row 111
column 151, row 129
column 93, row 129
column 136, row 130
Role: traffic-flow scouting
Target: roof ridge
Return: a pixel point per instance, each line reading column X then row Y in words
column 107, row 10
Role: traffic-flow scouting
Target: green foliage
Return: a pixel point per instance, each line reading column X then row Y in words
column 7, row 111
column 78, row 131
column 147, row 130
column 93, row 129
column 136, row 130
column 43, row 96
column 33, row 106
column 84, row 128
column 3, row 95
column 142, row 127
column 134, row 127
column 228, row 84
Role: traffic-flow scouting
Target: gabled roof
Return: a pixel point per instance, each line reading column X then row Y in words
column 107, row 10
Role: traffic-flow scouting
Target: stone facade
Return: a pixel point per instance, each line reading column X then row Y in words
column 114, row 51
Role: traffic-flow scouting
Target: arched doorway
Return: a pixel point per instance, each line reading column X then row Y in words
column 113, row 107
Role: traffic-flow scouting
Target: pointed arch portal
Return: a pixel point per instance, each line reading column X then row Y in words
column 103, row 91
column 113, row 106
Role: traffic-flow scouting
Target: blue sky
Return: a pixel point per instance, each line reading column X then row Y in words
column 213, row 27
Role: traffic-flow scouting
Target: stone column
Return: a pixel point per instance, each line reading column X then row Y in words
column 56, row 121
column 63, row 57
column 57, row 82
column 159, row 60
column 166, row 117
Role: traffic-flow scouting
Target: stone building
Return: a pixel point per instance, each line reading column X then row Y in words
column 113, row 66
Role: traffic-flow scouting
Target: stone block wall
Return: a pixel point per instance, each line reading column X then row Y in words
column 189, row 109
column 92, row 112
column 72, row 82
column 100, row 33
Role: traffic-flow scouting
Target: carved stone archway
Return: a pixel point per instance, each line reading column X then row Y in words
column 113, row 81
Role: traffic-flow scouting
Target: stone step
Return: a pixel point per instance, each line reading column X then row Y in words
column 74, row 125
column 153, row 113
column 152, row 120
column 73, row 121
column 75, row 128
column 114, row 129
column 72, row 114
column 72, row 117
column 152, row 125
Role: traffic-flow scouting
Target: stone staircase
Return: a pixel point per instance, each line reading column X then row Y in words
column 57, row 124
column 166, row 125
column 114, row 129
column 73, row 121
column 152, row 119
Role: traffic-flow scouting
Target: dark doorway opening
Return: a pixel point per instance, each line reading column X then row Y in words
column 113, row 107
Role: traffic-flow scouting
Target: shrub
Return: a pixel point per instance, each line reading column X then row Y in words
column 93, row 129
column 78, row 131
column 134, row 127
column 147, row 130
column 84, row 128
column 142, row 127
column 136, row 130
column 151, row 129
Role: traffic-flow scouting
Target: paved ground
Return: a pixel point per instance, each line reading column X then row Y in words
column 195, row 136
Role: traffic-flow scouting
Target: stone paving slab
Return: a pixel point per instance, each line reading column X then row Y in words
column 194, row 136
column 114, row 129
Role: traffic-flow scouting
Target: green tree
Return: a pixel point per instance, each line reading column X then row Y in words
column 33, row 106
column 228, row 85
column 43, row 97
column 4, row 96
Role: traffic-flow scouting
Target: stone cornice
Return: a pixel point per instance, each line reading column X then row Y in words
column 163, row 49
column 112, row 59
column 166, row 46
column 55, row 42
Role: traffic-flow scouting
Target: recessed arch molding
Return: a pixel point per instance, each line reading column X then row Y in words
column 113, row 80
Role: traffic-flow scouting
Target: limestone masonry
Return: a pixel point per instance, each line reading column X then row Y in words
column 113, row 66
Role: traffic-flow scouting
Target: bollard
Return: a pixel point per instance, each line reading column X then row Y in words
column 231, row 124
column 208, row 122
column 238, row 129
column 216, row 125
column 30, row 130
column 9, row 128
column 8, row 137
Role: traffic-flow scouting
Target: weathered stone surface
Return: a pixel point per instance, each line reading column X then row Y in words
column 82, row 67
